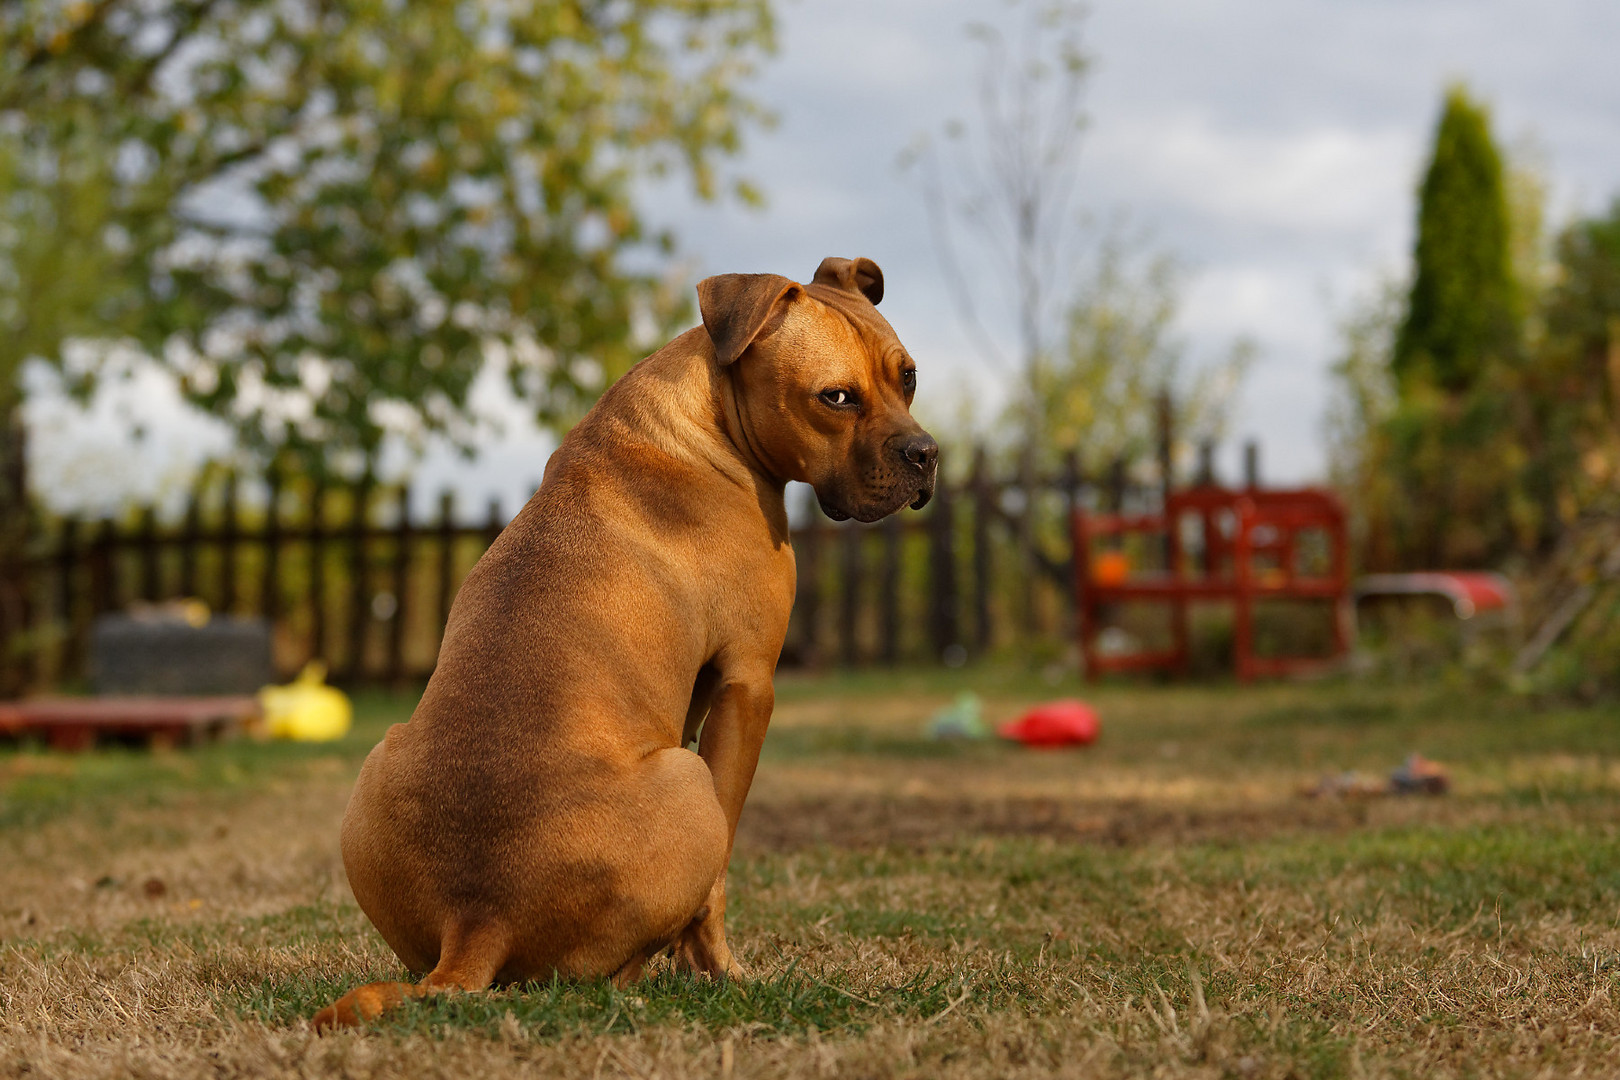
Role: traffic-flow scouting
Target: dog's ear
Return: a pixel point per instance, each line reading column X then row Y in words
column 852, row 275
column 737, row 308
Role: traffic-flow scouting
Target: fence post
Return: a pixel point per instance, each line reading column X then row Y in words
column 983, row 564
column 853, row 570
column 807, row 556
column 944, row 630
column 1071, row 479
column 1116, row 486
column 229, row 533
column 359, row 606
column 67, row 596
column 1028, row 557
column 190, row 527
column 151, row 584
column 103, row 587
column 1167, row 446
column 889, row 619
column 402, row 588
column 447, row 558
column 16, row 583
column 494, row 523
column 1206, row 463
column 270, row 569
column 317, row 572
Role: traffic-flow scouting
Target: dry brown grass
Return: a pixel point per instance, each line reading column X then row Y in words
column 1162, row 905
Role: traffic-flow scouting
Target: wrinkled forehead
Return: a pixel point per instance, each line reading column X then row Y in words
column 873, row 328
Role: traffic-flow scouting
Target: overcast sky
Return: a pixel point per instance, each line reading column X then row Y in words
column 1273, row 145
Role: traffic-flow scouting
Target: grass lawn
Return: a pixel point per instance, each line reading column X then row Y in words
column 1165, row 903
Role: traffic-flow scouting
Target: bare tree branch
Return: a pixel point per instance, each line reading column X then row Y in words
column 1015, row 177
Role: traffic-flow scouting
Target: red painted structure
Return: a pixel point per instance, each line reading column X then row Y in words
column 1250, row 544
column 74, row 723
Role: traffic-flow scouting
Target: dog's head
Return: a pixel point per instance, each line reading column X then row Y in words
column 823, row 386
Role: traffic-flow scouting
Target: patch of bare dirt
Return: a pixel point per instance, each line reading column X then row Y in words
column 918, row 822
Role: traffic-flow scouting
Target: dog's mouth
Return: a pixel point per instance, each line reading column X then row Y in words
column 877, row 511
column 837, row 513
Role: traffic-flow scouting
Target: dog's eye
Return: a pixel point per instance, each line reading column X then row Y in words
column 838, row 399
column 908, row 379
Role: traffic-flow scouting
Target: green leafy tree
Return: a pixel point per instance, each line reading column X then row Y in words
column 1584, row 305
column 1098, row 392
column 1577, row 387
column 326, row 217
column 1574, row 378
column 1494, row 472
column 1461, row 312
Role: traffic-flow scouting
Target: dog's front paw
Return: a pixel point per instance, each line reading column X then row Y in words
column 734, row 968
column 703, row 950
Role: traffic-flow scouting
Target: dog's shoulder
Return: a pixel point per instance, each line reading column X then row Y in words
column 648, row 449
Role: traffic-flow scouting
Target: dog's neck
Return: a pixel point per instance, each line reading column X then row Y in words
column 685, row 406
column 737, row 426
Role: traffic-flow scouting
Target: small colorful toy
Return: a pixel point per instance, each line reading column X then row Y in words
column 306, row 709
column 1054, row 724
column 961, row 719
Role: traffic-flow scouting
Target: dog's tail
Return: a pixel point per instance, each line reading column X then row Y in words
column 469, row 957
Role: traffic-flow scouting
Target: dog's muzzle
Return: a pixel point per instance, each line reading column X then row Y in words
column 922, row 453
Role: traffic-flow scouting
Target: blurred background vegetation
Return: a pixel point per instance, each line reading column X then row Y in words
column 1479, row 419
column 325, row 220
column 1482, row 397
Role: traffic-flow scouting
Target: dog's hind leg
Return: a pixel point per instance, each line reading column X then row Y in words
column 468, row 960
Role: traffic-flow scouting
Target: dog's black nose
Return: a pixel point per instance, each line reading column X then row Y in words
column 921, row 450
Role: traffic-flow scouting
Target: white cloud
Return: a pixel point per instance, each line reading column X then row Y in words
column 1275, row 147
column 1322, row 179
column 1244, row 299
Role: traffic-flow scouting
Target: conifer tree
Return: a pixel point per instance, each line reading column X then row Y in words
column 1460, row 313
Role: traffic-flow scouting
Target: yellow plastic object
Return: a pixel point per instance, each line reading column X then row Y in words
column 306, row 709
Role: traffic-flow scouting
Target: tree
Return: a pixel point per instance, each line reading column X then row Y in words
column 326, row 217
column 1093, row 315
column 1010, row 179
column 1461, row 310
column 1495, row 468
column 1098, row 392
column 1585, row 304
column 1574, row 374
column 1444, row 471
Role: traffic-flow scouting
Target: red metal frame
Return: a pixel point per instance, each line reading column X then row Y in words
column 1237, row 527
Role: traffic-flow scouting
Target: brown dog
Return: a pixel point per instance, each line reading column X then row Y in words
column 541, row 812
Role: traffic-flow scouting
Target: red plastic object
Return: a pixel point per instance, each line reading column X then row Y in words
column 1057, row 723
column 1471, row 593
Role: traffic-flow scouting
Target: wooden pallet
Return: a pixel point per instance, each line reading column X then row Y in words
column 66, row 723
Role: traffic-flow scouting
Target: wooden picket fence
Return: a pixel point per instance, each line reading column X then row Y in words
column 347, row 576
column 343, row 573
